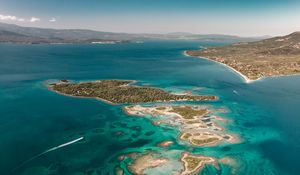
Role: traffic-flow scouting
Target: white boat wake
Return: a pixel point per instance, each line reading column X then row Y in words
column 47, row 151
column 62, row 145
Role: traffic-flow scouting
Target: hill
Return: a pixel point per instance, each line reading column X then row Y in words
column 18, row 34
column 14, row 33
column 276, row 56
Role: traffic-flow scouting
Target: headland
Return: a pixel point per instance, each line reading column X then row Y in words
column 279, row 56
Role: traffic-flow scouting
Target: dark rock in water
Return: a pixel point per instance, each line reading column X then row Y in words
column 209, row 124
column 206, row 120
column 149, row 133
column 226, row 137
column 64, row 81
column 226, row 148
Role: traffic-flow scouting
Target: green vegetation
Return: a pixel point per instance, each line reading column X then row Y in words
column 192, row 163
column 120, row 92
column 161, row 108
column 192, row 122
column 270, row 57
column 186, row 136
column 209, row 140
column 188, row 112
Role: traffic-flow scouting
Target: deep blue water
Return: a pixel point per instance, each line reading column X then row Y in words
column 265, row 113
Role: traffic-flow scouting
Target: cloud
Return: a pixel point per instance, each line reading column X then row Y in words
column 52, row 20
column 17, row 19
column 8, row 18
column 34, row 19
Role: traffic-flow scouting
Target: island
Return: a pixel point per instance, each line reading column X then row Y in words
column 278, row 56
column 194, row 163
column 194, row 123
column 166, row 143
column 139, row 163
column 142, row 162
column 121, row 92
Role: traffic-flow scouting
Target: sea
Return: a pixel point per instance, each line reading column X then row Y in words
column 45, row 133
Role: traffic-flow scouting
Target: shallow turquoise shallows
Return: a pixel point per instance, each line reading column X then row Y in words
column 265, row 114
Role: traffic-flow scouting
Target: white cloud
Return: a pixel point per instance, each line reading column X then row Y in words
column 52, row 20
column 17, row 19
column 8, row 18
column 34, row 19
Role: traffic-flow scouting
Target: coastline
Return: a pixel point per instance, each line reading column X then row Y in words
column 246, row 79
column 190, row 130
column 210, row 135
column 50, row 88
column 199, row 167
column 97, row 98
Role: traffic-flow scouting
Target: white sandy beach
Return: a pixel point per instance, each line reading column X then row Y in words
column 246, row 79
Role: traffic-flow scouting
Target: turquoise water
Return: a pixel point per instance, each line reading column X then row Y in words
column 265, row 113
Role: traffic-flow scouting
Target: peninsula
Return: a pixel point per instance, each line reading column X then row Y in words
column 121, row 92
column 277, row 56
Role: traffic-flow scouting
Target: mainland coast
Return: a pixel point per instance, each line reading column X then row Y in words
column 273, row 57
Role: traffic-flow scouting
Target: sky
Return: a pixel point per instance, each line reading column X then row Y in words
column 234, row 17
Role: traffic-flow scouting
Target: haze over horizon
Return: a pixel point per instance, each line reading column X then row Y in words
column 233, row 17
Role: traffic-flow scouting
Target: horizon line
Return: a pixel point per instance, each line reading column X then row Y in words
column 155, row 33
